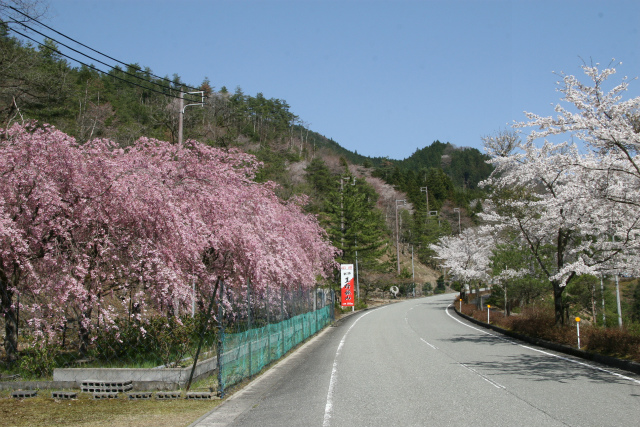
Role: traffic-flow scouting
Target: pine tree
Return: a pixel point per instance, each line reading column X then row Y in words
column 355, row 224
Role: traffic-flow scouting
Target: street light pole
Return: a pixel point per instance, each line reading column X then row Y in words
column 397, row 233
column 458, row 210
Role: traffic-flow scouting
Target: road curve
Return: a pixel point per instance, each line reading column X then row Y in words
column 416, row 363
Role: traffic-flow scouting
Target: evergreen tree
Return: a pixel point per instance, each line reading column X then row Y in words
column 355, row 224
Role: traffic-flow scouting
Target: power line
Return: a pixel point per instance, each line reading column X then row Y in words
column 83, row 45
column 94, row 59
column 90, row 57
column 96, row 69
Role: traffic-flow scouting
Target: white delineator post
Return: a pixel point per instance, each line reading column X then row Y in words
column 578, row 329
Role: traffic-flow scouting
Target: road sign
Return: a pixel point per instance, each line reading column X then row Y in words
column 346, row 285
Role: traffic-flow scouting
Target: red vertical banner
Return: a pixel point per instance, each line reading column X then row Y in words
column 346, row 285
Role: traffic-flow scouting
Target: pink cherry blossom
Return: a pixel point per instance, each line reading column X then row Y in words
column 94, row 232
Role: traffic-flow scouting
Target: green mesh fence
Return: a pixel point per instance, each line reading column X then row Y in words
column 228, row 337
column 245, row 354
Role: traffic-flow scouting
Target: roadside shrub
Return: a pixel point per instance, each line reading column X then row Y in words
column 427, row 288
column 361, row 304
column 160, row 341
column 614, row 342
column 38, row 362
column 539, row 322
column 534, row 322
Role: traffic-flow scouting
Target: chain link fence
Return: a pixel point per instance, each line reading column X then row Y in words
column 272, row 326
column 208, row 346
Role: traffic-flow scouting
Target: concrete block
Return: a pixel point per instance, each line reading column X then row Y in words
column 199, row 395
column 64, row 395
column 98, row 386
column 146, row 395
column 168, row 395
column 100, row 395
column 23, row 394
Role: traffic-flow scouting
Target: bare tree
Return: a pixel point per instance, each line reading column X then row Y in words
column 23, row 10
column 502, row 143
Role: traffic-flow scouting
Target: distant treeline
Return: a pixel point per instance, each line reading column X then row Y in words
column 125, row 103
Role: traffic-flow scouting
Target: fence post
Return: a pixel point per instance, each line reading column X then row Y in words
column 219, row 347
column 282, row 317
column 249, row 321
column 266, row 303
column 302, row 308
column 333, row 306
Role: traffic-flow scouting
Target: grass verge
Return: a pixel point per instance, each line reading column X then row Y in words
column 44, row 411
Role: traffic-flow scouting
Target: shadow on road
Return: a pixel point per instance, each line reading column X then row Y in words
column 476, row 339
column 535, row 367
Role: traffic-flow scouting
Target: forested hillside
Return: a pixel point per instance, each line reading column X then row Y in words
column 37, row 82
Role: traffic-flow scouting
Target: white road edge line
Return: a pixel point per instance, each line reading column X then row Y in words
column 430, row 345
column 577, row 362
column 328, row 409
column 493, row 383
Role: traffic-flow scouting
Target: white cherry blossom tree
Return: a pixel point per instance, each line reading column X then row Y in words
column 467, row 256
column 576, row 210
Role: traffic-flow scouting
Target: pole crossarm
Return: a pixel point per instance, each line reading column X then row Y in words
column 201, row 103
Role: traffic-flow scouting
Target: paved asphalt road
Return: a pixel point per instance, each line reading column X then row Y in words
column 416, row 363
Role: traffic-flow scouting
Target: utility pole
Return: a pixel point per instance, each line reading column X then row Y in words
column 404, row 202
column 618, row 299
column 435, row 213
column 184, row 107
column 413, row 273
column 458, row 210
column 357, row 280
column 180, row 119
column 426, row 191
column 342, row 209
column 604, row 316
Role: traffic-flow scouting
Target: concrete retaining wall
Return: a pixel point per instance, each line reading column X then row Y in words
column 143, row 379
column 37, row 385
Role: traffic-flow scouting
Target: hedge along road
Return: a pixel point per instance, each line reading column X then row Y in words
column 416, row 363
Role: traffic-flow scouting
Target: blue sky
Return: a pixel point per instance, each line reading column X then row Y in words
column 383, row 78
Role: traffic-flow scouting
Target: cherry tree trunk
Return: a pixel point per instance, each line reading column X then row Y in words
column 558, row 303
column 10, row 322
column 84, row 334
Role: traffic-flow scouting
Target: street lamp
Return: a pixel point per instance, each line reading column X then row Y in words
column 458, row 210
column 404, row 202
